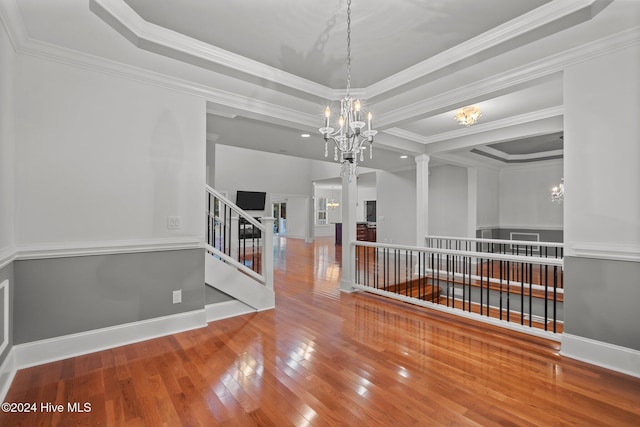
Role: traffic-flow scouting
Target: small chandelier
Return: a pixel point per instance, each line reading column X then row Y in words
column 350, row 138
column 557, row 193
column 332, row 203
column 468, row 115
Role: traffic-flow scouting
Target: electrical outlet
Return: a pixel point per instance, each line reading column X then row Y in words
column 177, row 296
column 174, row 222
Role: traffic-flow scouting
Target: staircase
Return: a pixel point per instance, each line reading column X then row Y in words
column 417, row 288
column 238, row 256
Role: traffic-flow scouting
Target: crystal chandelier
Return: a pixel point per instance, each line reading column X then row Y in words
column 350, row 139
column 468, row 115
column 557, row 193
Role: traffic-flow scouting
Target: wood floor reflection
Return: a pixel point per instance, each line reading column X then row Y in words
column 323, row 357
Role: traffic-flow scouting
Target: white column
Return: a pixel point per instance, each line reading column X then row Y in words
column 472, row 201
column 311, row 215
column 211, row 163
column 422, row 198
column 349, row 200
column 267, row 251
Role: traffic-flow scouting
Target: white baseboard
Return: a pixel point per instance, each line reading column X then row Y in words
column 226, row 309
column 7, row 372
column 605, row 355
column 59, row 348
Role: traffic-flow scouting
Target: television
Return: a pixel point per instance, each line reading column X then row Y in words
column 251, row 200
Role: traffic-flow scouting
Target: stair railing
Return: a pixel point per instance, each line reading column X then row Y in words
column 521, row 292
column 498, row 246
column 237, row 238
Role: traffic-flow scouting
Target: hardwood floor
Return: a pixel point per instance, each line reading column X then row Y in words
column 323, row 357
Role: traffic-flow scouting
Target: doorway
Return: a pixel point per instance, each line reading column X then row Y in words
column 280, row 214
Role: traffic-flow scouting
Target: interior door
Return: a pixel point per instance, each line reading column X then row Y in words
column 280, row 215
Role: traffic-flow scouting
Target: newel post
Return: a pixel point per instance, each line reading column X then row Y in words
column 234, row 237
column 267, row 251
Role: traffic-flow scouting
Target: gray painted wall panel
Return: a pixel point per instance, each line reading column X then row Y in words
column 62, row 296
column 556, row 236
column 6, row 273
column 602, row 300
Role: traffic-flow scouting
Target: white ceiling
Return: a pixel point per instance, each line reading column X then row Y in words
column 267, row 68
column 308, row 37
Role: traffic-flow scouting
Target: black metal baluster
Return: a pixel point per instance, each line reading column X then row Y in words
column 470, row 274
column 501, row 261
column 522, row 293
column 555, row 296
column 530, row 293
column 508, row 291
column 546, row 295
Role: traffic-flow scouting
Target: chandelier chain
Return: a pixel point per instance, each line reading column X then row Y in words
column 348, row 47
column 354, row 130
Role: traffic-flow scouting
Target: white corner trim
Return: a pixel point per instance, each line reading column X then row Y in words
column 4, row 286
column 74, row 249
column 7, row 372
column 59, row 348
column 226, row 309
column 605, row 355
column 609, row 251
column 7, row 256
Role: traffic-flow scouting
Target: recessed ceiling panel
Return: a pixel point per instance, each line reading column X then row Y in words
column 308, row 38
column 532, row 145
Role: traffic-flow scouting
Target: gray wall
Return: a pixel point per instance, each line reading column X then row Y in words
column 6, row 273
column 555, row 236
column 602, row 299
column 396, row 207
column 62, row 296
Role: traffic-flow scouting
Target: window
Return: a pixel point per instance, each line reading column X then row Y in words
column 321, row 211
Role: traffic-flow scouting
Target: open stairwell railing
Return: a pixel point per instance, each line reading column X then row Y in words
column 498, row 246
column 239, row 239
column 521, row 292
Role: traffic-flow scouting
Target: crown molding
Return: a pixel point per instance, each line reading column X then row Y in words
column 154, row 38
column 254, row 107
column 236, row 102
column 13, row 23
column 516, row 76
column 213, row 137
column 518, row 26
column 456, row 160
column 216, row 112
column 478, row 128
column 517, row 158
